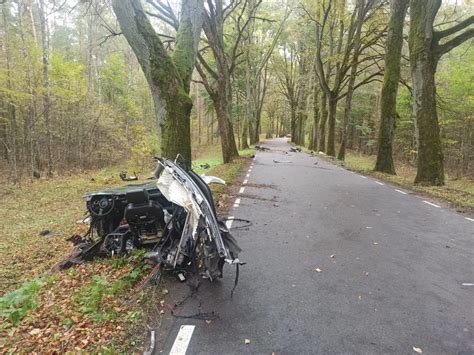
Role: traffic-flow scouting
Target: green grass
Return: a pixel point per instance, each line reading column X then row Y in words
column 16, row 304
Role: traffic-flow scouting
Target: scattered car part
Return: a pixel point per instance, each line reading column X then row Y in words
column 124, row 177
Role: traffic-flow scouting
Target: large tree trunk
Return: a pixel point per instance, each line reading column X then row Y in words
column 293, row 123
column 244, row 136
column 223, row 106
column 331, row 147
column 388, row 113
column 313, row 144
column 322, row 124
column 168, row 76
column 350, row 87
column 423, row 62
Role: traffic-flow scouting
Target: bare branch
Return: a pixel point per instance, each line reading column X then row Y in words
column 453, row 43
column 456, row 28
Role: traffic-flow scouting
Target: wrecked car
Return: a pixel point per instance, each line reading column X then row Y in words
column 172, row 215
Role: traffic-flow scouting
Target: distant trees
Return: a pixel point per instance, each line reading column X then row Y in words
column 71, row 95
column 74, row 93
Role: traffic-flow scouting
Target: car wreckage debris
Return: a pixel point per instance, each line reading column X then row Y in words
column 173, row 216
column 124, row 177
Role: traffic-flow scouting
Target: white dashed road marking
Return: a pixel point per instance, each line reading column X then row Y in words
column 363, row 177
column 402, row 192
column 237, row 203
column 431, row 204
column 183, row 338
column 245, row 182
column 229, row 221
column 467, row 284
column 469, row 219
column 380, row 183
column 248, row 175
column 242, row 189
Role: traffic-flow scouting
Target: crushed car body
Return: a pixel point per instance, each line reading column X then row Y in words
column 173, row 216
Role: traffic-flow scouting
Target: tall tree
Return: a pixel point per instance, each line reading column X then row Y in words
column 427, row 46
column 388, row 105
column 217, row 78
column 46, row 84
column 168, row 75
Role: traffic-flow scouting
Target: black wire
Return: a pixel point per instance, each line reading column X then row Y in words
column 236, row 281
column 249, row 223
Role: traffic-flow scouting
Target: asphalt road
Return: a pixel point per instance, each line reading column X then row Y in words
column 391, row 269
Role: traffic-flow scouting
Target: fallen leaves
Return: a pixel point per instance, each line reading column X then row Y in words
column 247, row 341
column 59, row 323
column 417, row 350
column 35, row 331
column 317, row 269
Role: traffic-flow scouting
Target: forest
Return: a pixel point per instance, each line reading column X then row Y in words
column 367, row 107
column 88, row 84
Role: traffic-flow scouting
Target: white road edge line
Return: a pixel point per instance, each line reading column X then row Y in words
column 467, row 284
column 402, row 192
column 242, row 189
column 248, row 175
column 469, row 219
column 237, row 202
column 432, row 204
column 229, row 221
column 182, row 340
column 380, row 183
column 245, row 182
column 363, row 177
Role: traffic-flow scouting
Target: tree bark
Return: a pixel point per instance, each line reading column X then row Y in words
column 168, row 76
column 352, row 78
column 423, row 62
column 322, row 124
column 331, row 147
column 314, row 132
column 46, row 86
column 388, row 113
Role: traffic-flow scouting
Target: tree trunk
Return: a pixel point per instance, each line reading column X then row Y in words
column 168, row 76
column 388, row 114
column 223, row 107
column 314, row 131
column 46, row 88
column 423, row 62
column 293, row 123
column 322, row 124
column 331, row 148
column 244, row 136
column 350, row 87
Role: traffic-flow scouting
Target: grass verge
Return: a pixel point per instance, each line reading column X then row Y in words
column 91, row 307
column 458, row 192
